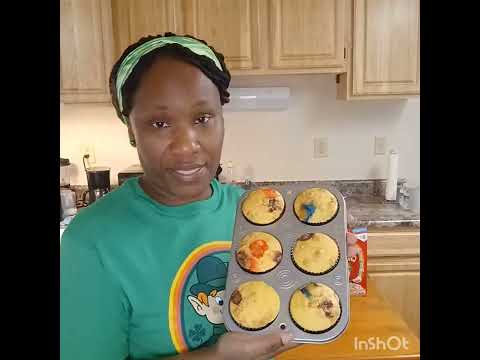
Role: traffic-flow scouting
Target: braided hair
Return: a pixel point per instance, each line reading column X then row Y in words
column 220, row 78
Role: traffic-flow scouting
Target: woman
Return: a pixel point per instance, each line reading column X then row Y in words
column 143, row 269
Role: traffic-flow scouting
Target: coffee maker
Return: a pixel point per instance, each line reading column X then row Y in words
column 98, row 179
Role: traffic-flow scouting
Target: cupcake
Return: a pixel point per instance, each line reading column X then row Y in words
column 315, row 308
column 259, row 252
column 315, row 206
column 254, row 305
column 315, row 254
column 263, row 206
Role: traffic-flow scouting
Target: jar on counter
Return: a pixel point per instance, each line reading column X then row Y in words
column 64, row 173
column 68, row 203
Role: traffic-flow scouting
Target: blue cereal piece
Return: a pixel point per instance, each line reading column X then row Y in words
column 310, row 209
column 306, row 293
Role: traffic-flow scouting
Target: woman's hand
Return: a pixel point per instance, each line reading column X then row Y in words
column 241, row 346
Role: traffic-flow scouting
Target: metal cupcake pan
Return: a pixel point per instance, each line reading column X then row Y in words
column 285, row 278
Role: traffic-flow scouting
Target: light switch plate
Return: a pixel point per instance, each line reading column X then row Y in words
column 320, row 147
column 380, row 145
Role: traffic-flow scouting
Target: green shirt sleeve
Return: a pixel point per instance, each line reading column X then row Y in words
column 93, row 310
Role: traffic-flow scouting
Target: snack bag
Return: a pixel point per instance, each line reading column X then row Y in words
column 357, row 261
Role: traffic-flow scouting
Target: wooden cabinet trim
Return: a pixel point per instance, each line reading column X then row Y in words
column 394, row 244
column 393, row 264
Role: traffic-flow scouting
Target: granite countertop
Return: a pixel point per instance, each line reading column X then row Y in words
column 373, row 210
column 365, row 204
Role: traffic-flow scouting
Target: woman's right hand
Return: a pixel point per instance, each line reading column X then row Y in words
column 241, row 346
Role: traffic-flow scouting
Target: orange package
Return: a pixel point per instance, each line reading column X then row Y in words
column 357, row 260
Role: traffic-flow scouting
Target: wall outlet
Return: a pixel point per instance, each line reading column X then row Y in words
column 320, row 147
column 380, row 145
column 88, row 149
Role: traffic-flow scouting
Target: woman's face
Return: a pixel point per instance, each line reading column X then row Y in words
column 177, row 123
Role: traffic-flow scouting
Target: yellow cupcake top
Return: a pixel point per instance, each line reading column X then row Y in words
column 259, row 252
column 315, row 307
column 315, row 206
column 263, row 206
column 254, row 304
column 315, row 253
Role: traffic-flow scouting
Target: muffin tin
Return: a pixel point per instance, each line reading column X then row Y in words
column 285, row 278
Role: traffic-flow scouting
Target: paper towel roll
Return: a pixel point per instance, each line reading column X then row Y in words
column 392, row 176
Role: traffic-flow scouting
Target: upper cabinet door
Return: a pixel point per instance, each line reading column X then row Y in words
column 307, row 34
column 386, row 47
column 230, row 26
column 85, row 50
column 134, row 19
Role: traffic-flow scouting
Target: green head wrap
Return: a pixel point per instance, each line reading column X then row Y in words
column 132, row 59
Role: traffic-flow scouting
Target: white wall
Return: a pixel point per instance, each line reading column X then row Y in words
column 274, row 145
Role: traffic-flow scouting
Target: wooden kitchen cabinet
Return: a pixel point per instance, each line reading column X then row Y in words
column 307, row 34
column 231, row 26
column 402, row 290
column 304, row 36
column 134, row 19
column 372, row 44
column 394, row 264
column 385, row 50
column 85, row 50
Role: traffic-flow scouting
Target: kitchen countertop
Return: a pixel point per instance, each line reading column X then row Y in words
column 375, row 331
column 365, row 205
column 374, row 211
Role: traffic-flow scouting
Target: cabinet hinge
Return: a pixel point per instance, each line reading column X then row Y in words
column 345, row 53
